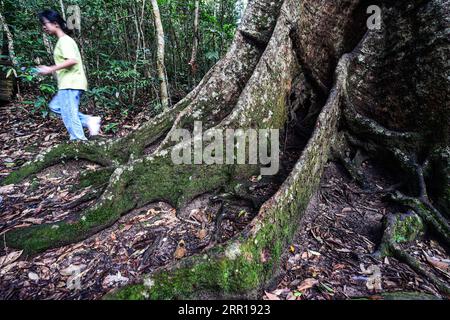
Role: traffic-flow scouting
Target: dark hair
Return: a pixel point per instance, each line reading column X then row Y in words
column 54, row 17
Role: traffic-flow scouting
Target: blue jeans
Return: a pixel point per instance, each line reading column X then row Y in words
column 65, row 104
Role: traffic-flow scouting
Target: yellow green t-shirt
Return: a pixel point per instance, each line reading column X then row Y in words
column 73, row 77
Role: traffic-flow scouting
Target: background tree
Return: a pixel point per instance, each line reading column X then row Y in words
column 161, row 56
column 8, row 38
column 193, row 61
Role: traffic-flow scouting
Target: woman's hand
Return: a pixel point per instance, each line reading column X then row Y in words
column 45, row 70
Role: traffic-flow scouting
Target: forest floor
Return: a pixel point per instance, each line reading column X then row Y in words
column 330, row 258
column 332, row 255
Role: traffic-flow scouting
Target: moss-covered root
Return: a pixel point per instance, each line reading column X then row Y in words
column 400, row 228
column 95, row 178
column 244, row 265
column 403, row 229
column 106, row 153
column 91, row 151
column 371, row 130
column 339, row 153
column 108, row 210
column 134, row 185
column 404, row 296
column 437, row 177
column 430, row 215
column 133, row 145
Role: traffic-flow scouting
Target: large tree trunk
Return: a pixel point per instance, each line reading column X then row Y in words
column 315, row 62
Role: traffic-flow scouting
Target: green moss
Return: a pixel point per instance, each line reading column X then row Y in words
column 19, row 175
column 248, row 262
column 408, row 296
column 136, row 292
column 160, row 179
column 63, row 152
column 247, row 272
column 94, row 178
column 218, row 272
column 407, row 228
column 42, row 237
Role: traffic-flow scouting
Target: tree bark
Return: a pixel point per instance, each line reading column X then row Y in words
column 193, row 61
column 161, row 56
column 63, row 10
column 11, row 51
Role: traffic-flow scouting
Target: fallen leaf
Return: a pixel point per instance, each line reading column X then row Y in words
column 307, row 284
column 271, row 296
column 71, row 270
column 280, row 292
column 34, row 220
column 127, row 227
column 7, row 189
column 344, row 250
column 314, row 253
column 339, row 266
column 10, row 258
column 180, row 252
column 291, row 296
column 115, row 279
column 201, row 234
column 440, row 264
column 33, row 276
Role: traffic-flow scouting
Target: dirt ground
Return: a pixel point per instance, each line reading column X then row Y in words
column 330, row 258
column 333, row 254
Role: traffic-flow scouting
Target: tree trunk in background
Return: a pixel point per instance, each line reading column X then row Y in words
column 193, row 61
column 138, row 48
column 63, row 10
column 9, row 36
column 160, row 56
column 47, row 44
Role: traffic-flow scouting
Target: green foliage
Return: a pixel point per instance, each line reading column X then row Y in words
column 407, row 228
column 111, row 127
column 118, row 45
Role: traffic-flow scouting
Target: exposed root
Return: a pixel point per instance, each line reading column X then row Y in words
column 92, row 195
column 368, row 128
column 130, row 186
column 401, row 230
column 95, row 178
column 405, row 296
column 432, row 217
column 339, row 152
column 244, row 265
column 91, row 151
column 156, row 177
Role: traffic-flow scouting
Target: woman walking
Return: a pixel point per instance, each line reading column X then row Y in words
column 72, row 81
